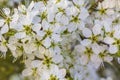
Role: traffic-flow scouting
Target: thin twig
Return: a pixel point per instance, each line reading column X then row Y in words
column 94, row 6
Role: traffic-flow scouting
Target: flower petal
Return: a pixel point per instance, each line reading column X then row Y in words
column 20, row 35
column 113, row 49
column 87, row 32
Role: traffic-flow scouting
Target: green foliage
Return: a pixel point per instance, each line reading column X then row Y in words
column 8, row 67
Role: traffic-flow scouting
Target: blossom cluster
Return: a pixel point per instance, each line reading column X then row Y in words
column 61, row 39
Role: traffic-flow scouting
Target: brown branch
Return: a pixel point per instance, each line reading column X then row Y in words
column 94, row 6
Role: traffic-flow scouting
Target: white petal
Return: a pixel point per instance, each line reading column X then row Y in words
column 4, row 29
column 64, row 20
column 83, row 14
column 18, row 26
column 1, row 22
column 3, row 48
column 86, row 42
column 16, row 53
column 108, row 58
column 6, row 11
column 29, row 48
column 41, row 33
column 27, row 72
column 62, row 73
column 72, row 11
column 20, row 35
column 118, row 59
column 36, row 63
column 21, row 8
column 56, row 37
column 58, row 17
column 42, row 49
column 50, row 17
column 45, row 75
column 84, row 59
column 110, row 12
column 94, row 57
column 15, row 17
column 57, row 58
column 87, row 32
column 117, row 34
column 36, row 20
column 113, row 49
column 11, row 47
column 108, row 40
column 97, row 29
column 96, row 61
column 54, row 69
column 31, row 6
column 27, row 20
column 81, row 26
column 47, row 42
column 40, row 6
column 12, row 40
column 107, row 24
column 36, row 27
column 57, row 50
column 109, row 4
column 96, row 48
column 79, row 2
column 45, row 25
column 72, row 27
column 80, row 48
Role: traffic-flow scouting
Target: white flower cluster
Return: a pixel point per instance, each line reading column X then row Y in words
column 59, row 39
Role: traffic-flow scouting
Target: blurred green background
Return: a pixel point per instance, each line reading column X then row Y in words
column 9, row 69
